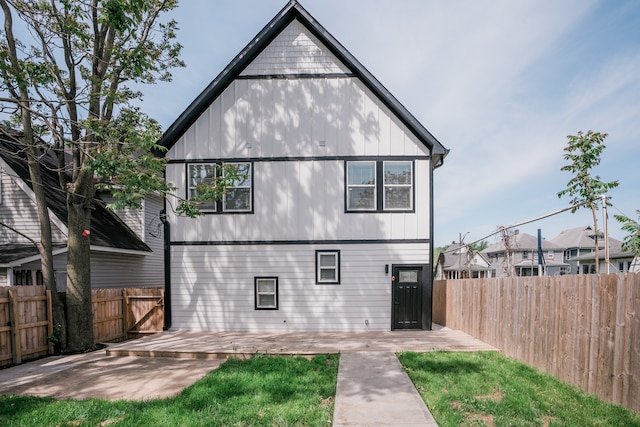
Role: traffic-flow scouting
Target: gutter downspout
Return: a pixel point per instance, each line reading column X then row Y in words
column 167, row 269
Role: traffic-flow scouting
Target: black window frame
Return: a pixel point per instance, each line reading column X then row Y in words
column 337, row 267
column 380, row 186
column 256, row 293
column 219, row 204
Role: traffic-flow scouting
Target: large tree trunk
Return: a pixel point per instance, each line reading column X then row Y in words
column 79, row 311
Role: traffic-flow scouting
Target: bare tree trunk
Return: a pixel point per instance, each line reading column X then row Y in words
column 45, row 246
column 79, row 310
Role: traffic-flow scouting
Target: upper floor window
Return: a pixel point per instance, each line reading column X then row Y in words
column 398, row 185
column 361, row 186
column 237, row 196
column 379, row 186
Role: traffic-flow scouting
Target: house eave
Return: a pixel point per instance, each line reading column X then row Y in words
column 122, row 251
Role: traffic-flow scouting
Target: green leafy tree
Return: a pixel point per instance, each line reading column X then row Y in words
column 631, row 242
column 583, row 153
column 70, row 89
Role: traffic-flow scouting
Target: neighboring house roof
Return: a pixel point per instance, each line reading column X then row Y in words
column 107, row 229
column 615, row 252
column 523, row 242
column 451, row 259
column 15, row 254
column 580, row 237
column 292, row 11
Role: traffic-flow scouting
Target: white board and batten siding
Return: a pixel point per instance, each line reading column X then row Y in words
column 298, row 133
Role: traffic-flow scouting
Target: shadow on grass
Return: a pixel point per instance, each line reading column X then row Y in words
column 260, row 391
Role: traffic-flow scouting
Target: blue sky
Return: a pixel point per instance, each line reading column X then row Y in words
column 500, row 83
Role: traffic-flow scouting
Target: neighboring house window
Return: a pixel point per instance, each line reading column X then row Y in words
column 550, row 254
column 361, row 186
column 266, row 291
column 379, row 186
column 621, row 267
column 238, row 196
column 525, row 255
column 328, row 267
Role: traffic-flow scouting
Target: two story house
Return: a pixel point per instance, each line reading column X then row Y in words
column 330, row 228
column 126, row 247
column 462, row 262
column 520, row 256
column 579, row 244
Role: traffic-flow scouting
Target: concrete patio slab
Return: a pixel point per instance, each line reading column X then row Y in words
column 214, row 345
column 95, row 375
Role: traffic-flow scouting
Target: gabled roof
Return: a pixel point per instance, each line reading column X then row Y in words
column 523, row 242
column 580, row 237
column 292, row 11
column 18, row 253
column 107, row 229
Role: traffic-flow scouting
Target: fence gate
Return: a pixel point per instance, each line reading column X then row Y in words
column 144, row 311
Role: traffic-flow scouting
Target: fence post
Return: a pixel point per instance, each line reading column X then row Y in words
column 16, row 344
column 125, row 315
column 49, row 319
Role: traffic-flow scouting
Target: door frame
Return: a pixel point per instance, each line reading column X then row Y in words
column 427, row 294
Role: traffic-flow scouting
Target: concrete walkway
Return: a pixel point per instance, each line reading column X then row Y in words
column 373, row 390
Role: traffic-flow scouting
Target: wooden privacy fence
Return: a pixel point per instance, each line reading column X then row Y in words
column 584, row 329
column 118, row 314
column 25, row 313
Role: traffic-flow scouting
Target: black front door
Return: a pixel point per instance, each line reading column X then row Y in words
column 407, row 297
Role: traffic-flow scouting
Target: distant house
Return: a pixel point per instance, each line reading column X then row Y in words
column 580, row 242
column 462, row 262
column 124, row 252
column 619, row 261
column 522, row 257
column 330, row 228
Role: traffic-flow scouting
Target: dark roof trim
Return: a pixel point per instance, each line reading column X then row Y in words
column 293, row 10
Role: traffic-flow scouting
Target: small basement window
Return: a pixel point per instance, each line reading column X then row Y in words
column 327, row 267
column 266, row 291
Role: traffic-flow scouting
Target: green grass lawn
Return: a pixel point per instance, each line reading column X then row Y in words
column 490, row 389
column 264, row 390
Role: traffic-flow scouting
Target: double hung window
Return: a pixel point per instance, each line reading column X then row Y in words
column 328, row 267
column 379, row 186
column 237, row 195
column 266, row 293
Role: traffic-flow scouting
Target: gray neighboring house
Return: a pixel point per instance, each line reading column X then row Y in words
column 524, row 256
column 127, row 248
column 456, row 261
column 619, row 261
column 579, row 245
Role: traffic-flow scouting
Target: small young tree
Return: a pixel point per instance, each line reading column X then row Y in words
column 583, row 152
column 631, row 242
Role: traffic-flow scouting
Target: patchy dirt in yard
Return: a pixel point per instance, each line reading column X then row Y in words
column 472, row 419
column 494, row 397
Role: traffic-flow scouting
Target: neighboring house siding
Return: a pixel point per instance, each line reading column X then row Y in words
column 304, row 200
column 213, row 287
column 295, row 50
column 19, row 211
